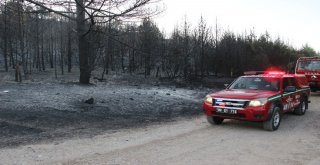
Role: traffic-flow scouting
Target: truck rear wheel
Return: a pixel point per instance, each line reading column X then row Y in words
column 273, row 123
column 215, row 120
column 302, row 108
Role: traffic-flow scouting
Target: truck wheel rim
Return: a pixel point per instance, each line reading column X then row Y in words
column 276, row 119
column 303, row 107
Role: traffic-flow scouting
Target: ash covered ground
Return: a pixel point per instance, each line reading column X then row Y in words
column 45, row 109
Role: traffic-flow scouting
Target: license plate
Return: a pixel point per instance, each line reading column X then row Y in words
column 228, row 111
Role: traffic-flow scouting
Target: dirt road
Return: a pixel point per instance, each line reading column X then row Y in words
column 187, row 141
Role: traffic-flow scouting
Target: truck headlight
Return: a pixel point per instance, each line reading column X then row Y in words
column 258, row 102
column 208, row 99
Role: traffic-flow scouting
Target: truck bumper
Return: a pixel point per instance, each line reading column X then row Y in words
column 248, row 114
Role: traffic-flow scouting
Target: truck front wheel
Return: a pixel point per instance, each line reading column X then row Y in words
column 273, row 123
column 215, row 120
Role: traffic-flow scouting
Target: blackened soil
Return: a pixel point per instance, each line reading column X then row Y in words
column 40, row 113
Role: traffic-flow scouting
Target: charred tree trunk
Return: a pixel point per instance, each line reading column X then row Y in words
column 109, row 50
column 42, row 52
column 132, row 51
column 202, row 62
column 21, row 38
column 13, row 64
column 27, row 56
column 61, row 50
column 147, row 64
column 131, row 61
column 42, row 47
column 38, row 66
column 217, row 50
column 106, row 60
column 122, row 51
column 55, row 60
column 5, row 54
column 51, row 48
column 82, row 44
column 69, row 51
column 5, row 37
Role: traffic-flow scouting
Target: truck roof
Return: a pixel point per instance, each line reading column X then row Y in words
column 308, row 58
column 300, row 78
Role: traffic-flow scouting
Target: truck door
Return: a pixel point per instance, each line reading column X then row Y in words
column 287, row 99
column 296, row 95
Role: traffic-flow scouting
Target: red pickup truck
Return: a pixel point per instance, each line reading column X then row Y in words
column 263, row 97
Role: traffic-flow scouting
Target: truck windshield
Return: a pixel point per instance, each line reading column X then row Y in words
column 257, row 83
column 309, row 65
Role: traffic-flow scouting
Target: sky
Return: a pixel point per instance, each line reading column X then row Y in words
column 296, row 22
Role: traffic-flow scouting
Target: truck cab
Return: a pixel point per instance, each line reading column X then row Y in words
column 310, row 67
column 259, row 97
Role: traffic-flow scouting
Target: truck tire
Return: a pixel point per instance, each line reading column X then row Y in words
column 273, row 123
column 302, row 108
column 213, row 120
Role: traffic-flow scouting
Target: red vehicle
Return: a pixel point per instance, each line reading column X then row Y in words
column 263, row 97
column 310, row 67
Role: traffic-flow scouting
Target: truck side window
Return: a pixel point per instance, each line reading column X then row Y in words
column 285, row 83
column 293, row 82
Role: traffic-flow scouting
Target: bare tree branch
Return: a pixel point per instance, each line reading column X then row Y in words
column 49, row 9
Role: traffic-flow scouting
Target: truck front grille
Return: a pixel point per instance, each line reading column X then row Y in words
column 230, row 103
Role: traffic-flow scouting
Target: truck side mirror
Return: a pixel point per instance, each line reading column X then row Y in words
column 290, row 89
column 226, row 85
